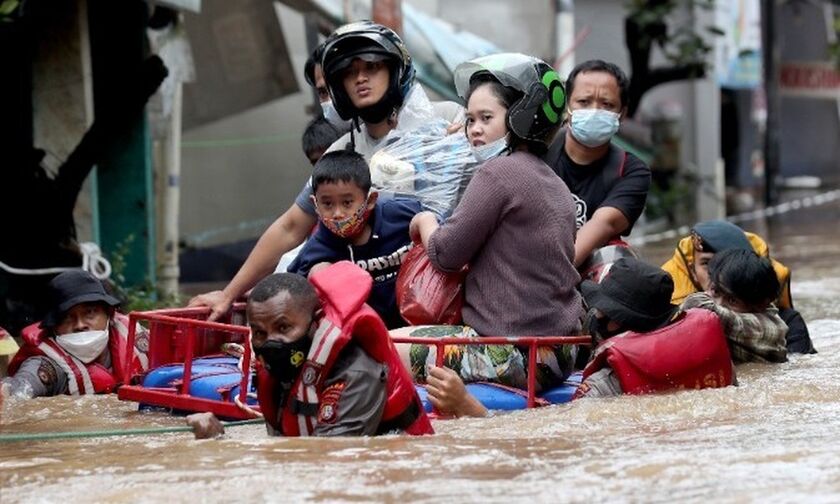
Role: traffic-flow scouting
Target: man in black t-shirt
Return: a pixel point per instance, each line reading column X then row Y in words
column 609, row 185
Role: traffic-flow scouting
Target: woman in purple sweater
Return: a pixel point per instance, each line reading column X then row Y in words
column 514, row 227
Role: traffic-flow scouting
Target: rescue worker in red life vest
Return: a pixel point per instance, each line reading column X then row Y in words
column 328, row 365
column 644, row 343
column 79, row 347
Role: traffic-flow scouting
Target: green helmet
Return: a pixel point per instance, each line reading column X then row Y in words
column 537, row 115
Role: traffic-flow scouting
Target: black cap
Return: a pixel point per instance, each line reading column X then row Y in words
column 71, row 288
column 634, row 294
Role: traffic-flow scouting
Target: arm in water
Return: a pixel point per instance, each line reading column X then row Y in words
column 284, row 234
column 448, row 394
column 36, row 377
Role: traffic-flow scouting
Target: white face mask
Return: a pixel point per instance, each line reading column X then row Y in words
column 85, row 346
column 594, row 127
column 331, row 115
column 487, row 151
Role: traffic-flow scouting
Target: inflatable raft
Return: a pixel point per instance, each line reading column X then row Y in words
column 218, row 378
column 500, row 398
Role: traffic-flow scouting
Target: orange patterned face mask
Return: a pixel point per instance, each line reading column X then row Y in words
column 349, row 226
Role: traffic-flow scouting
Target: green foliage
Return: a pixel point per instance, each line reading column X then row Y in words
column 7, row 7
column 680, row 43
column 135, row 297
column 675, row 202
column 9, row 10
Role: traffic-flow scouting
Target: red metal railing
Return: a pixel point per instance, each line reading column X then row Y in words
column 182, row 326
column 532, row 342
column 185, row 326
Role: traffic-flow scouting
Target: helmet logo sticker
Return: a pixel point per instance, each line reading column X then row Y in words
column 553, row 107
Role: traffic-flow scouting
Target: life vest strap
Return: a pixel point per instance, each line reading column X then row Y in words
column 303, row 408
column 402, row 421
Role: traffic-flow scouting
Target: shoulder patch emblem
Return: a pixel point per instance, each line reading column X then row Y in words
column 310, row 374
column 47, row 373
column 328, row 409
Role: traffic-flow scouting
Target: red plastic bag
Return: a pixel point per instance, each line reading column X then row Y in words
column 426, row 295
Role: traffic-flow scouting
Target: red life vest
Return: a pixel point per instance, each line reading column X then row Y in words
column 690, row 353
column 91, row 378
column 343, row 289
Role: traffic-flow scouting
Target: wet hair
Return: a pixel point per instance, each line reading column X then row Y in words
column 507, row 96
column 319, row 135
column 341, row 166
column 298, row 287
column 746, row 276
column 596, row 65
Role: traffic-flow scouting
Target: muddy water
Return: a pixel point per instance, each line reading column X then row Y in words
column 775, row 437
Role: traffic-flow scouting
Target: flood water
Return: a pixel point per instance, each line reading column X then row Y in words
column 776, row 437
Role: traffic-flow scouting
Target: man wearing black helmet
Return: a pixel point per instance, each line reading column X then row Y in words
column 371, row 80
column 358, row 59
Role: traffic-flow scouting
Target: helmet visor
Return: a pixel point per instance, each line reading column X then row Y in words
column 513, row 70
column 369, row 54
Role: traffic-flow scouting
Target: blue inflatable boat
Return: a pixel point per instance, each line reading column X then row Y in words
column 217, row 378
column 214, row 378
column 500, row 398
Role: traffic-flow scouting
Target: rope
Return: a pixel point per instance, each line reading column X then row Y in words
column 247, row 409
column 47, row 436
column 92, row 261
column 797, row 204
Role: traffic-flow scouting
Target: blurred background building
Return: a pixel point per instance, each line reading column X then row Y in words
column 217, row 156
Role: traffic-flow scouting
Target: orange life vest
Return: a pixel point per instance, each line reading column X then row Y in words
column 343, row 289
column 91, row 378
column 690, row 353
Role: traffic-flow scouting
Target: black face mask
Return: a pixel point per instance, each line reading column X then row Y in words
column 597, row 327
column 284, row 360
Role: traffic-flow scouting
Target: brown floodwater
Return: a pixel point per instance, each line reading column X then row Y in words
column 776, row 437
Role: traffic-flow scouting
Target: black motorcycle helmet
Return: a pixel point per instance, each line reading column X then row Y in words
column 537, row 115
column 366, row 39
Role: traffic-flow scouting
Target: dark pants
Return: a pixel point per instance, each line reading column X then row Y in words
column 798, row 339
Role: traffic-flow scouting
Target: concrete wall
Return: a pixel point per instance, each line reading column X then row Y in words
column 61, row 94
column 241, row 172
column 524, row 26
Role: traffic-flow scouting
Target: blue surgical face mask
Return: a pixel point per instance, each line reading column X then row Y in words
column 487, row 151
column 331, row 115
column 594, row 127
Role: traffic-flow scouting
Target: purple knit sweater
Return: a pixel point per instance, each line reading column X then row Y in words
column 515, row 227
